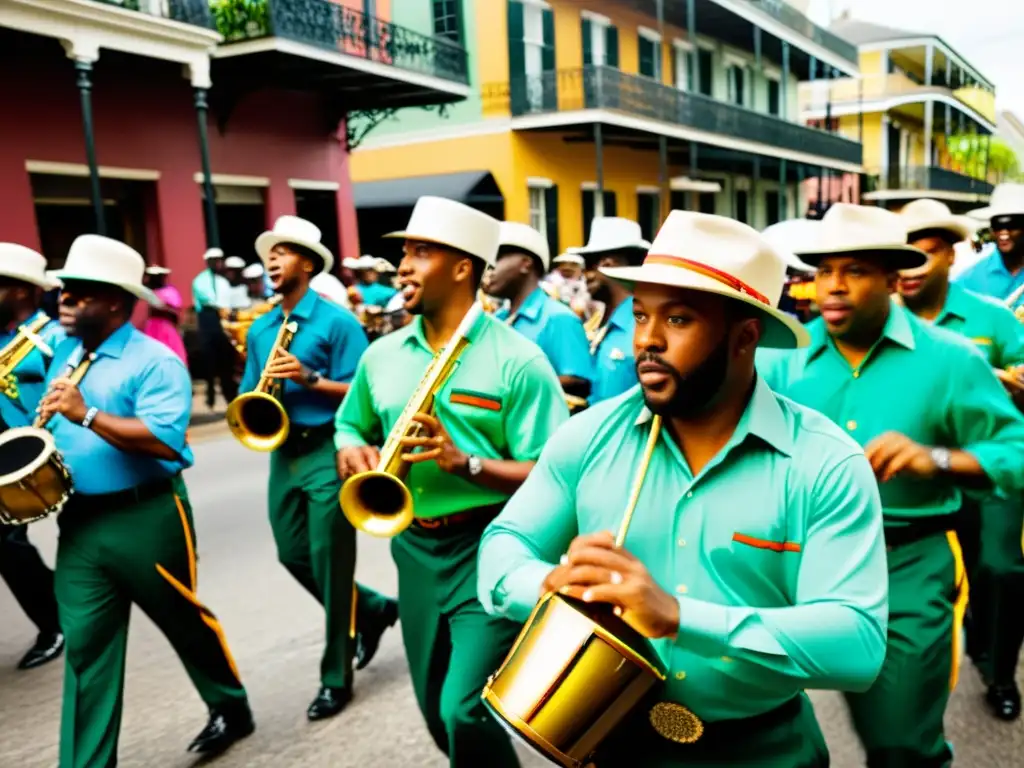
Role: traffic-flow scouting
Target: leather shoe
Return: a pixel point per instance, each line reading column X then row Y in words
column 48, row 646
column 368, row 638
column 1003, row 701
column 223, row 729
column 328, row 703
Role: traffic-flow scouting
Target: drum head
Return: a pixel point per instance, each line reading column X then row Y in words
column 23, row 451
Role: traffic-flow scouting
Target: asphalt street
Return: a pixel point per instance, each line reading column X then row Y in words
column 275, row 631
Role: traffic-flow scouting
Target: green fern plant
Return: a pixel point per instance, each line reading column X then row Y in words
column 241, row 19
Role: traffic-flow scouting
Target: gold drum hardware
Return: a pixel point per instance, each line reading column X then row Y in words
column 577, row 669
column 378, row 502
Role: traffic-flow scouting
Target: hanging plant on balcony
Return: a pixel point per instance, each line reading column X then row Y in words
column 967, row 152
column 241, row 19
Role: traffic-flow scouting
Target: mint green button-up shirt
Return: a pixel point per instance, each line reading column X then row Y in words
column 503, row 401
column 925, row 382
column 774, row 550
column 991, row 326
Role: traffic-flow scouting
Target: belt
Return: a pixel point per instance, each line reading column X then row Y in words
column 302, row 440
column 917, row 530
column 118, row 499
column 458, row 521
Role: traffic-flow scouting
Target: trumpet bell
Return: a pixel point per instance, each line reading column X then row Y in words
column 377, row 503
column 258, row 421
column 574, row 673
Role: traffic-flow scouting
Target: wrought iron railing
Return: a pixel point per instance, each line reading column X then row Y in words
column 194, row 12
column 600, row 87
column 334, row 27
column 792, row 18
column 928, row 177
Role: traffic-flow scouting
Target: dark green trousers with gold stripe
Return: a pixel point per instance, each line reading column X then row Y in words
column 110, row 555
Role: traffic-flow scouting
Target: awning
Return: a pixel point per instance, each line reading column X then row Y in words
column 469, row 187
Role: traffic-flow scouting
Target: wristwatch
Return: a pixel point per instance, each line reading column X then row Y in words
column 312, row 378
column 474, row 466
column 942, row 458
column 89, row 416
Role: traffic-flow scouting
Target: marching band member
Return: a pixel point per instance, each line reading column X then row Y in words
column 1001, row 273
column 494, row 415
column 162, row 321
column 22, row 282
column 211, row 292
column 373, row 291
column 315, row 542
column 990, row 532
column 126, row 534
column 257, row 283
column 613, row 242
column 755, row 555
column 523, row 258
column 933, row 419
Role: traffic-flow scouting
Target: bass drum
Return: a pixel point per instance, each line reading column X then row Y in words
column 34, row 481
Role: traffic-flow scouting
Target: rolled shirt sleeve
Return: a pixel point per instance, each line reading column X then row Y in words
column 164, row 402
column 536, row 409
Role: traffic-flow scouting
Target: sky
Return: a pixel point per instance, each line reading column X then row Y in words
column 985, row 32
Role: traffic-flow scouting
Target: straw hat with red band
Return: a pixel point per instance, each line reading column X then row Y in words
column 713, row 254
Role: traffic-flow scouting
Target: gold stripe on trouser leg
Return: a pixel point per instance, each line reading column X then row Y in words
column 352, row 619
column 959, row 605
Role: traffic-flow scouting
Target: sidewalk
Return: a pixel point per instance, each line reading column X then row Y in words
column 206, row 423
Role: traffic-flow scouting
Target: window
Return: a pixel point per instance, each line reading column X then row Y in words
column 538, row 210
column 774, row 98
column 707, row 202
column 742, row 213
column 647, row 213
column 771, row 205
column 649, row 51
column 600, row 40
column 595, row 205
column 736, row 77
column 447, row 19
column 706, row 64
column 681, row 67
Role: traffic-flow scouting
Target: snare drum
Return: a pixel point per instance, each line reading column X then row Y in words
column 34, row 481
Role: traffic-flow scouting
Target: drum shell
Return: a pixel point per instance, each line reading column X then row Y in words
column 34, row 482
column 575, row 672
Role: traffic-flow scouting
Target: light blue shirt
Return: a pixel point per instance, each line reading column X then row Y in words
column 614, row 366
column 132, row 377
column 557, row 330
column 329, row 340
column 18, row 402
column 211, row 290
column 990, row 277
column 774, row 550
column 376, row 293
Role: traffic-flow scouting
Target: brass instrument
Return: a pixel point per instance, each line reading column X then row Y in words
column 35, row 482
column 257, row 419
column 577, row 670
column 17, row 349
column 236, row 322
column 378, row 502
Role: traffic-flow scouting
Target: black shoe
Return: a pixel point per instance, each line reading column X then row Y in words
column 368, row 638
column 329, row 702
column 48, row 647
column 1003, row 701
column 223, row 729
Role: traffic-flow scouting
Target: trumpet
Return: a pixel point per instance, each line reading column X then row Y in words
column 378, row 502
column 257, row 419
column 24, row 341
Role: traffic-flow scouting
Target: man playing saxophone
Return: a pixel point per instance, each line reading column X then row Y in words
column 126, row 534
column 315, row 543
column 755, row 556
column 22, row 284
column 489, row 421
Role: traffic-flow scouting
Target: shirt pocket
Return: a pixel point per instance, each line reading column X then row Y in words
column 761, row 561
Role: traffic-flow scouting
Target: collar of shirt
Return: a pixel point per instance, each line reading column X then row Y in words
column 622, row 317
column 957, row 305
column 416, row 335
column 302, row 310
column 530, row 310
column 897, row 330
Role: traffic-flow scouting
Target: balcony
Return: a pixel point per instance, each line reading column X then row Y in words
column 796, row 21
column 605, row 88
column 926, row 181
column 357, row 59
column 194, row 12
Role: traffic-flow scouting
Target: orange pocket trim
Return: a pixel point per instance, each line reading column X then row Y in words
column 478, row 401
column 774, row 546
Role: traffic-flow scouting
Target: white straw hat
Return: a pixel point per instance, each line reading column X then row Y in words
column 787, row 237
column 1006, row 200
column 570, row 258
column 446, row 222
column 714, row 254
column 99, row 259
column 523, row 237
column 213, row 253
column 292, row 229
column 234, row 262
column 852, row 229
column 252, row 272
column 383, row 265
column 157, row 270
column 21, row 263
column 612, row 233
column 924, row 214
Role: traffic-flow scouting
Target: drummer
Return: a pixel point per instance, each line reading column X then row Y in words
column 126, row 534
column 23, row 281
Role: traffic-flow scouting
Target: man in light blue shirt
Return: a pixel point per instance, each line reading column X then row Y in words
column 126, row 534
column 754, row 558
column 211, row 293
column 1001, row 273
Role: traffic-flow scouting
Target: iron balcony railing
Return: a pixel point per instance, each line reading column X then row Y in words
column 601, row 87
column 334, row 27
column 792, row 18
column 194, row 12
column 929, row 177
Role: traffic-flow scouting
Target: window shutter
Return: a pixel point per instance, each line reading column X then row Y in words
column 588, row 212
column 611, row 46
column 673, row 65
column 609, row 203
column 551, row 213
column 518, row 102
column 645, row 54
column 677, row 200
column 549, row 80
column 586, row 30
column 645, row 213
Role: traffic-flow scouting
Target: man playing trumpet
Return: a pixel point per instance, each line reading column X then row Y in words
column 493, row 416
column 755, row 557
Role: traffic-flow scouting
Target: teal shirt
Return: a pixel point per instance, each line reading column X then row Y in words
column 614, row 366
column 921, row 381
column 329, row 340
column 27, row 382
column 376, row 294
column 557, row 330
column 211, row 290
column 774, row 550
column 503, row 401
column 990, row 325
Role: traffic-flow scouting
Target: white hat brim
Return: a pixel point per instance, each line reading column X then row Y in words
column 781, row 331
column 403, row 235
column 136, row 290
column 898, row 257
column 584, row 250
column 45, row 281
column 946, row 225
column 990, row 212
column 266, row 242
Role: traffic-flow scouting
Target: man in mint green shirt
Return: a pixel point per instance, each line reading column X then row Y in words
column 490, row 419
column 755, row 557
column 933, row 419
column 989, row 529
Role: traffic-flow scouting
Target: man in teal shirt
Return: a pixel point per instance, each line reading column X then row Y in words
column 989, row 530
column 755, row 556
column 933, row 419
column 523, row 259
column 211, row 292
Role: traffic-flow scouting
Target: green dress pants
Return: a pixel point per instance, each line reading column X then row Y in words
column 452, row 645
column 112, row 553
column 899, row 719
column 317, row 545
